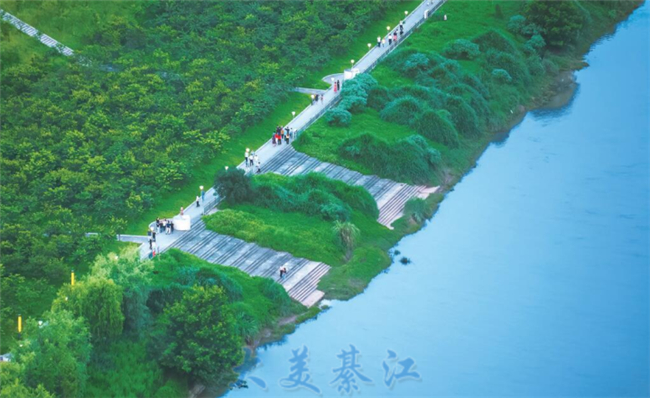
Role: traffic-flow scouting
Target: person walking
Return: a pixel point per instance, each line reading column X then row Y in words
column 390, row 40
column 198, row 204
column 246, row 157
column 153, row 236
column 322, row 99
column 150, row 243
column 259, row 167
column 383, row 42
column 378, row 41
column 171, row 226
column 181, row 211
column 395, row 37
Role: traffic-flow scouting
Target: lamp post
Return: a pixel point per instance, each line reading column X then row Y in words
column 226, row 168
column 20, row 325
column 352, row 62
column 369, row 45
column 293, row 113
column 72, row 278
column 388, row 28
column 312, row 99
column 406, row 13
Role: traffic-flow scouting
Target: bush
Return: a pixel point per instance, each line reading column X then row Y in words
column 233, row 185
column 416, row 209
column 477, row 85
column 409, row 159
column 353, row 103
column 513, row 64
column 535, row 66
column 432, row 97
column 495, row 41
column 550, row 67
column 414, row 64
column 463, row 116
column 447, row 73
column 461, row 49
column 334, row 212
column 535, row 44
column 402, row 110
column 501, row 76
column 560, row 21
column 338, row 117
column 378, row 97
column 359, row 86
column 516, row 24
column 436, row 126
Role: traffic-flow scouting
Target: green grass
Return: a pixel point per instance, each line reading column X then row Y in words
column 233, row 151
column 295, row 233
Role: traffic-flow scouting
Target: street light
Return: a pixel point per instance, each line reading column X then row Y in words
column 294, row 112
column 202, row 193
column 72, row 278
column 369, row 45
column 20, row 324
column 388, row 28
column 226, row 168
column 352, row 61
column 406, row 13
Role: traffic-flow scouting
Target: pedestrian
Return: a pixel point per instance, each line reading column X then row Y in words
column 197, row 201
column 378, row 41
column 181, row 211
column 390, row 40
column 246, row 158
column 256, row 159
column 171, row 226
column 290, row 135
column 286, row 138
column 259, row 167
column 322, row 99
column 338, row 82
column 383, row 42
column 281, row 273
column 395, row 37
column 278, row 138
column 153, row 236
column 149, row 232
column 150, row 244
column 273, row 140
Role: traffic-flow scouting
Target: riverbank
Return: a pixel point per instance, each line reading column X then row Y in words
column 504, row 105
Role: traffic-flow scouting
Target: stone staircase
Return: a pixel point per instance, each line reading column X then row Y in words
column 303, row 275
column 391, row 196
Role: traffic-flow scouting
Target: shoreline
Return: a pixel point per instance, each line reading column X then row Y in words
column 558, row 93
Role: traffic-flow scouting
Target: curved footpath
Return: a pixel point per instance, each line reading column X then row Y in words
column 303, row 275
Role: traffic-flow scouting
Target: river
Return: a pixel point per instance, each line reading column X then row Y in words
column 533, row 277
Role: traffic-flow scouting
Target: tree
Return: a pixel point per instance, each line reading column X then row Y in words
column 233, row 185
column 11, row 375
column 55, row 354
column 199, row 336
column 134, row 276
column 436, row 126
column 347, row 235
column 560, row 21
column 98, row 301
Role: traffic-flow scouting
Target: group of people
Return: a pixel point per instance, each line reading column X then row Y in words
column 283, row 133
column 316, row 97
column 251, row 160
column 392, row 38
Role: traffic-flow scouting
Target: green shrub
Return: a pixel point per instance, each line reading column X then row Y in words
column 401, row 110
column 378, row 97
column 463, row 116
column 477, row 85
column 495, row 41
column 501, row 76
column 431, row 97
column 415, row 63
column 353, row 103
column 447, row 73
column 416, row 209
column 409, row 159
column 560, row 21
column 535, row 44
column 534, row 65
column 436, row 126
column 516, row 24
column 513, row 64
column 233, row 185
column 276, row 293
column 338, row 116
column 461, row 49
column 550, row 67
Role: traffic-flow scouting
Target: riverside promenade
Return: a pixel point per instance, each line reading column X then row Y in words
column 303, row 275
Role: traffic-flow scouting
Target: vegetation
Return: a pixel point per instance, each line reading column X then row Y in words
column 157, row 98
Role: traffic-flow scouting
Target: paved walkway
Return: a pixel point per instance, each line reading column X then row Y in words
column 304, row 275
column 31, row 31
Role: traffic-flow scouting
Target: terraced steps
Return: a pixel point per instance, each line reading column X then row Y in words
column 391, row 196
column 302, row 278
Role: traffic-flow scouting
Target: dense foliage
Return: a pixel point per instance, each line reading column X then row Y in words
column 90, row 142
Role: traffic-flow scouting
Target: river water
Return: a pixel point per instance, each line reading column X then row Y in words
column 533, row 277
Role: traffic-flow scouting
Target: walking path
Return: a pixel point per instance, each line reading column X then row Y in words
column 31, row 31
column 303, row 275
